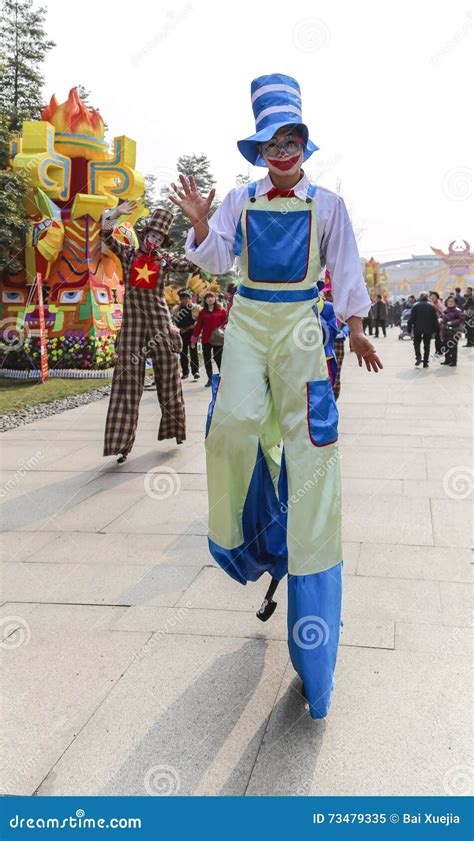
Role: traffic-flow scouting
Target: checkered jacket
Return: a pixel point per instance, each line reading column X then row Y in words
column 127, row 254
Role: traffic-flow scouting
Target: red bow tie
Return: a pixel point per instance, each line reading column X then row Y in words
column 284, row 194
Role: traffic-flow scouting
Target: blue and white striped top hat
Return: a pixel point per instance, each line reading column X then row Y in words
column 276, row 102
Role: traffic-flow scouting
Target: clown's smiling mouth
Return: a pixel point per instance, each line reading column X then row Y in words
column 288, row 163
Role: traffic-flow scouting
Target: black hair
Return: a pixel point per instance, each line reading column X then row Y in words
column 217, row 305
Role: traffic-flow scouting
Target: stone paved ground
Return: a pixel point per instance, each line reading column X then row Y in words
column 133, row 665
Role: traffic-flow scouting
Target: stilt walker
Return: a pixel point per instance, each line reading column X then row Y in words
column 271, row 444
column 147, row 331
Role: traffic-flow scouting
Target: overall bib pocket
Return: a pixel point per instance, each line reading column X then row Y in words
column 322, row 413
column 215, row 380
column 278, row 245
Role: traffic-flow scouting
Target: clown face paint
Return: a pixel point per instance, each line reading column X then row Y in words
column 279, row 153
column 152, row 240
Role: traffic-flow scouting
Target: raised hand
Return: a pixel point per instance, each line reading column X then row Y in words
column 193, row 205
column 124, row 209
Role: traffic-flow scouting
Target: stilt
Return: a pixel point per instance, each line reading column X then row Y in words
column 268, row 606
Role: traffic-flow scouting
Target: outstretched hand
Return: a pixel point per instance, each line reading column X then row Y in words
column 123, row 209
column 365, row 352
column 188, row 199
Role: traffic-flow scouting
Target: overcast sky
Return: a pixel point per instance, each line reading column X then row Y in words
column 386, row 96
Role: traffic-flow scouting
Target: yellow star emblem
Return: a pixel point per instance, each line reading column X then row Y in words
column 144, row 273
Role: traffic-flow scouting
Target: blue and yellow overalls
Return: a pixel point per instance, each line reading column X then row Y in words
column 271, row 436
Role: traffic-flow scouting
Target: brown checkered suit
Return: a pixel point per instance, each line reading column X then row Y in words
column 147, row 330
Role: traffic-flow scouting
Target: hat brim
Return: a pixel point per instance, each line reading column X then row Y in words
column 248, row 146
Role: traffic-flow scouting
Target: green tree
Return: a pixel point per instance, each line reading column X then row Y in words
column 23, row 46
column 13, row 224
column 150, row 200
column 241, row 179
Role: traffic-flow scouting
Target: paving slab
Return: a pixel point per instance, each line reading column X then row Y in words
column 452, row 522
column 362, row 514
column 386, row 704
column 429, row 562
column 53, row 681
column 438, row 640
column 411, row 600
column 18, row 546
column 383, row 464
column 440, row 462
column 78, row 617
column 457, row 603
column 433, row 489
column 239, row 623
column 86, row 584
column 183, row 512
column 120, row 548
column 187, row 718
column 68, row 509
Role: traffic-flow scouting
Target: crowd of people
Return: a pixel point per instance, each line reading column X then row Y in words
column 425, row 319
column 206, row 322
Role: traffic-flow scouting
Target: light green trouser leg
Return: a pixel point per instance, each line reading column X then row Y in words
column 243, row 417
column 262, row 398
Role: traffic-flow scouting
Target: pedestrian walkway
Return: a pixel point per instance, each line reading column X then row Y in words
column 134, row 666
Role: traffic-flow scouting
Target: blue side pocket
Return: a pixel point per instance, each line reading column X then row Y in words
column 215, row 380
column 322, row 413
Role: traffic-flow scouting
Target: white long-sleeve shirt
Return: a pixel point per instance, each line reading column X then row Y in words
column 337, row 244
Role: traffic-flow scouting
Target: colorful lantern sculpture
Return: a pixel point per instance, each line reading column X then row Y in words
column 460, row 266
column 73, row 177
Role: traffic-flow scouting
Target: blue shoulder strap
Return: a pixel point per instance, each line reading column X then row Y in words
column 311, row 191
column 251, row 188
column 238, row 239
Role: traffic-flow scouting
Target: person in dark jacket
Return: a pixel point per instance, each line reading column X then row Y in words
column 184, row 316
column 379, row 314
column 468, row 308
column 423, row 324
column 459, row 297
column 397, row 313
column 439, row 307
column 451, row 330
column 211, row 317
